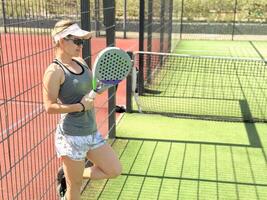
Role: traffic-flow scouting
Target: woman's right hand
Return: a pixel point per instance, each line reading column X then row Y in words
column 87, row 102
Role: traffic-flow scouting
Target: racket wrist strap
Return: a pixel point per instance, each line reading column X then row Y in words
column 82, row 107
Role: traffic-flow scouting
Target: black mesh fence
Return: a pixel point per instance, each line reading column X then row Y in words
column 235, row 20
column 28, row 164
column 171, row 20
column 156, row 29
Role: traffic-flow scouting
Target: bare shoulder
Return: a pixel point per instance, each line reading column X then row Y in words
column 54, row 71
column 53, row 67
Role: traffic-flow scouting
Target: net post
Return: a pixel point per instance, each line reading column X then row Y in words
column 129, row 93
column 129, row 88
column 109, row 22
column 86, row 25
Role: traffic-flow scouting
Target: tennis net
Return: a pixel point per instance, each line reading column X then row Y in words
column 202, row 87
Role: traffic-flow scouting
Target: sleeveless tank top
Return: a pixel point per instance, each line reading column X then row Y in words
column 72, row 90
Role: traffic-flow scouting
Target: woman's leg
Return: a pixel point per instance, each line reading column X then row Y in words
column 73, row 171
column 106, row 163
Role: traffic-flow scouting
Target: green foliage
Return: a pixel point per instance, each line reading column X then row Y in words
column 217, row 10
column 41, row 8
column 203, row 10
column 61, row 7
column 194, row 10
column 132, row 8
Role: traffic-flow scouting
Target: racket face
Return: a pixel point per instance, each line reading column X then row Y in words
column 112, row 65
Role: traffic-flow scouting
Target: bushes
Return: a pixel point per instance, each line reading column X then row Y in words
column 194, row 10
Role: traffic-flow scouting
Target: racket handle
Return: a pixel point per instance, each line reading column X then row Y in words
column 92, row 94
column 99, row 90
column 103, row 88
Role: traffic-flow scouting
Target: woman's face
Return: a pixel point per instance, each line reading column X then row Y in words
column 72, row 45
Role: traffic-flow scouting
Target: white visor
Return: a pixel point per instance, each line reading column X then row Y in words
column 74, row 30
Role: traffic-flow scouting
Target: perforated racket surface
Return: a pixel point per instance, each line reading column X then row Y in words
column 111, row 66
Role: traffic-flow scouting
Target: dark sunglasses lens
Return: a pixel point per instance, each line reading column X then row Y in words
column 78, row 41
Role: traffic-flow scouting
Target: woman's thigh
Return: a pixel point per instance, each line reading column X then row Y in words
column 73, row 170
column 106, row 159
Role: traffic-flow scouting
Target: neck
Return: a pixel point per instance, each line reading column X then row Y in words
column 63, row 57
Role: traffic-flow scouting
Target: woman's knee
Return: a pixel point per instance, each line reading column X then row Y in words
column 115, row 171
column 74, row 184
column 73, row 171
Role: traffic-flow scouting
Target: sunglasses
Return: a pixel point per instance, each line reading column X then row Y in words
column 76, row 41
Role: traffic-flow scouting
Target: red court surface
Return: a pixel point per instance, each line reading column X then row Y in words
column 28, row 163
column 22, row 74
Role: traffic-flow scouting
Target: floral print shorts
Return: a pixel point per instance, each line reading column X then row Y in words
column 76, row 147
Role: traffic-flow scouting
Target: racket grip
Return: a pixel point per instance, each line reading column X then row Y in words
column 99, row 90
column 92, row 94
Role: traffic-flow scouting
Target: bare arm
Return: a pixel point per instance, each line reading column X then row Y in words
column 52, row 80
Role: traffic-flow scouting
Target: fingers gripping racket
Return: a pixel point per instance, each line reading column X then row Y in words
column 111, row 66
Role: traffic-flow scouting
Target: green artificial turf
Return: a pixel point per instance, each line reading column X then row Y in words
column 208, row 87
column 222, row 48
column 170, row 158
column 176, row 158
column 168, row 128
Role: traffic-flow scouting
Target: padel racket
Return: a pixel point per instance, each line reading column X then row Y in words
column 111, row 66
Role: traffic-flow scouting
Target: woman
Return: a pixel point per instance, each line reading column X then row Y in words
column 67, row 81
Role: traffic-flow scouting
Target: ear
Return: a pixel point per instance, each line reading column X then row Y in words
column 61, row 42
column 56, row 44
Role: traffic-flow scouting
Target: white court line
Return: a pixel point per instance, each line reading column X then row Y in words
column 199, row 50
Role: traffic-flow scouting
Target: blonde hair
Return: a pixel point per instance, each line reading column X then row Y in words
column 61, row 25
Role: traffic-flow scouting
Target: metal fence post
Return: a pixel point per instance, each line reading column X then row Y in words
column 141, row 46
column 109, row 21
column 149, row 38
column 97, row 26
column 234, row 22
column 181, row 20
column 85, row 24
column 129, row 88
column 124, row 19
column 162, row 24
column 170, row 26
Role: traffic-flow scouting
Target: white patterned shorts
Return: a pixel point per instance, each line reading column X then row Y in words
column 76, row 147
